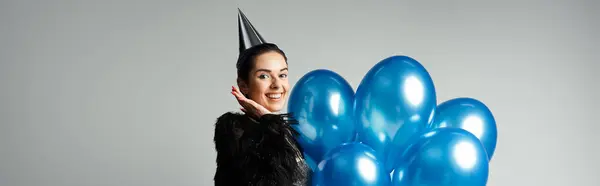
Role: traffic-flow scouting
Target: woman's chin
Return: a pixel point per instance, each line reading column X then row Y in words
column 274, row 110
column 275, row 106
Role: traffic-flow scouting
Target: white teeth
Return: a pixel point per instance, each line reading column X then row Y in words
column 274, row 96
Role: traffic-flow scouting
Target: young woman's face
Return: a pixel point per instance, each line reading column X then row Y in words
column 268, row 82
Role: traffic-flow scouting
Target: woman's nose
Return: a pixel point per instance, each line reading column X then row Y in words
column 275, row 84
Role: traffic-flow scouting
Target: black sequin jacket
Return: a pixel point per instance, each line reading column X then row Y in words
column 260, row 152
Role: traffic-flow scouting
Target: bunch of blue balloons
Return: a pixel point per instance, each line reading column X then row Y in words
column 391, row 131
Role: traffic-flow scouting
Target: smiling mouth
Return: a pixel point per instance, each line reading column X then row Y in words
column 274, row 96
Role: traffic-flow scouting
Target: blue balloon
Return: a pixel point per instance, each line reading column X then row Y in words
column 351, row 164
column 395, row 100
column 471, row 115
column 322, row 101
column 443, row 157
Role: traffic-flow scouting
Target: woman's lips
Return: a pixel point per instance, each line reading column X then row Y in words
column 274, row 96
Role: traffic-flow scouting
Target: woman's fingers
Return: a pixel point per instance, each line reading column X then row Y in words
column 233, row 91
column 237, row 91
column 237, row 95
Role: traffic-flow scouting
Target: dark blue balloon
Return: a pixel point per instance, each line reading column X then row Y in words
column 395, row 100
column 443, row 157
column 351, row 164
column 322, row 101
column 471, row 115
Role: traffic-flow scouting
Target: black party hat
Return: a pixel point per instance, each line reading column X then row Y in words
column 247, row 33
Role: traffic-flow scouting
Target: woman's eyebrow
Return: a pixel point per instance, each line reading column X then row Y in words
column 262, row 69
column 267, row 70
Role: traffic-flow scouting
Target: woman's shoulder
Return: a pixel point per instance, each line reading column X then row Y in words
column 228, row 124
column 229, row 118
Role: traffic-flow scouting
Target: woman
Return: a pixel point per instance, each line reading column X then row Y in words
column 259, row 147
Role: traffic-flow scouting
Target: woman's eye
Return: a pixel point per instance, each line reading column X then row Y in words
column 263, row 76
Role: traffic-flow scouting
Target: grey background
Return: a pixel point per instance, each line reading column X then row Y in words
column 126, row 93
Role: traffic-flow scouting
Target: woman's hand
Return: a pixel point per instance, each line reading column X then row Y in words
column 249, row 106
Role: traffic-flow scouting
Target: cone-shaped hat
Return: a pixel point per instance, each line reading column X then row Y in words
column 247, row 33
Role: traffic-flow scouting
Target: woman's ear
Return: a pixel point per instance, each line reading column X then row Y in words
column 244, row 88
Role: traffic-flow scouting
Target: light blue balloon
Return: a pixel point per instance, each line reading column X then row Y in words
column 322, row 101
column 395, row 100
column 443, row 157
column 351, row 164
column 469, row 114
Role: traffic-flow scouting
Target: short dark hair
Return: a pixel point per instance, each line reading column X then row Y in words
column 247, row 58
